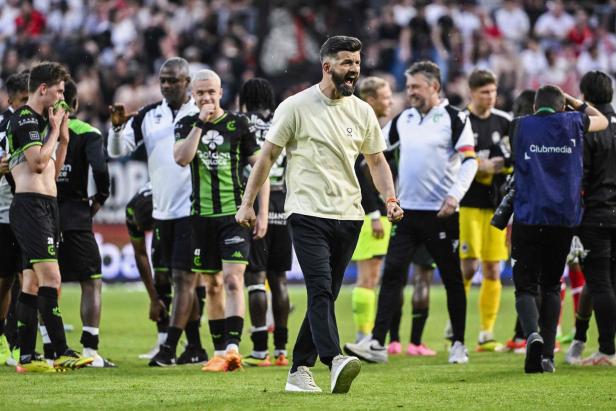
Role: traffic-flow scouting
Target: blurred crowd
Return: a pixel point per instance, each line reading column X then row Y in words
column 114, row 48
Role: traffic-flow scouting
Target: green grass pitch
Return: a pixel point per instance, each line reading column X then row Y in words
column 489, row 381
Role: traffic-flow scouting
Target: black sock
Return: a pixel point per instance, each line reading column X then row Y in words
column 192, row 334
column 11, row 319
column 50, row 313
column 27, row 319
column 217, row 330
column 233, row 326
column 394, row 329
column 89, row 340
column 165, row 295
column 420, row 315
column 173, row 337
column 281, row 337
column 518, row 332
column 259, row 340
column 581, row 327
column 527, row 313
column 200, row 292
column 48, row 351
column 2, row 321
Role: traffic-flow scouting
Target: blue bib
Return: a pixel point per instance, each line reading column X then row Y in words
column 549, row 154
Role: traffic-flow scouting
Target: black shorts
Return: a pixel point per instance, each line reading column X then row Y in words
column 79, row 257
column 218, row 240
column 35, row 223
column 423, row 259
column 9, row 252
column 277, row 238
column 171, row 244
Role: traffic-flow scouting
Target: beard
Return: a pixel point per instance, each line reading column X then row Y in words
column 340, row 82
column 418, row 103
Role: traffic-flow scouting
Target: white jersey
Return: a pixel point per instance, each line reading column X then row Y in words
column 6, row 197
column 429, row 158
column 154, row 127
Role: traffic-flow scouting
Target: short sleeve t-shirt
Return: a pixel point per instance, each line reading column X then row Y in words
column 223, row 151
column 26, row 128
column 323, row 138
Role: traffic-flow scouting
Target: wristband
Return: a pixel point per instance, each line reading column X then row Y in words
column 200, row 124
column 392, row 200
column 375, row 215
column 583, row 107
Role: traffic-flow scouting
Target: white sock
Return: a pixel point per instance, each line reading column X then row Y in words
column 259, row 354
column 485, row 336
column 232, row 347
column 89, row 352
column 44, row 335
column 280, row 352
column 162, row 337
column 90, row 330
column 219, row 353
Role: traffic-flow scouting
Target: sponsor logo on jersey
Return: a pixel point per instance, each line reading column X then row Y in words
column 233, row 240
column 550, row 149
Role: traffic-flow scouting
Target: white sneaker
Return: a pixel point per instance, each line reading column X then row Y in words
column 458, row 353
column 98, row 362
column 367, row 349
column 344, row 371
column 301, row 381
column 599, row 358
column 574, row 353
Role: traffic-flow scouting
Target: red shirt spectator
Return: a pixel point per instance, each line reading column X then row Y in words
column 30, row 21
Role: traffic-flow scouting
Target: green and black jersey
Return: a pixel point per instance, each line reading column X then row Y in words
column 223, row 151
column 26, row 128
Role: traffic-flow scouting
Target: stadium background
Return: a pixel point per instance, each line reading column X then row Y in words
column 115, row 48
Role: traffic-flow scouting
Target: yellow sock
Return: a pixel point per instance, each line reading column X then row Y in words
column 489, row 303
column 363, row 301
column 467, row 286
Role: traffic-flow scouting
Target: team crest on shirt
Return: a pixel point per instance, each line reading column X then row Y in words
column 496, row 136
column 212, row 139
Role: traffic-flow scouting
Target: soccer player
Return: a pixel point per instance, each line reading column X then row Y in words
column 153, row 126
column 78, row 253
column 138, row 221
column 437, row 165
column 522, row 106
column 217, row 144
column 374, row 234
column 480, row 242
column 423, row 272
column 33, row 133
column 323, row 129
column 548, row 154
column 598, row 228
column 270, row 257
column 17, row 91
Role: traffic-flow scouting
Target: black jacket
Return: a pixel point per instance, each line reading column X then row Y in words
column 599, row 182
column 85, row 150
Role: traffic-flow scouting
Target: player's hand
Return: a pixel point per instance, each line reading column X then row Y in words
column 498, row 163
column 119, row 115
column 260, row 228
column 377, row 228
column 245, row 216
column 207, row 111
column 4, row 164
column 157, row 310
column 95, row 207
column 450, row 204
column 490, row 166
column 55, row 119
column 64, row 134
column 394, row 212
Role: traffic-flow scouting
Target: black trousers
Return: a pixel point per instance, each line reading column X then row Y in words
column 538, row 256
column 600, row 272
column 324, row 248
column 441, row 238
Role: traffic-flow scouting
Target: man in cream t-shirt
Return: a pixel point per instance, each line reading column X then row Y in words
column 323, row 129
